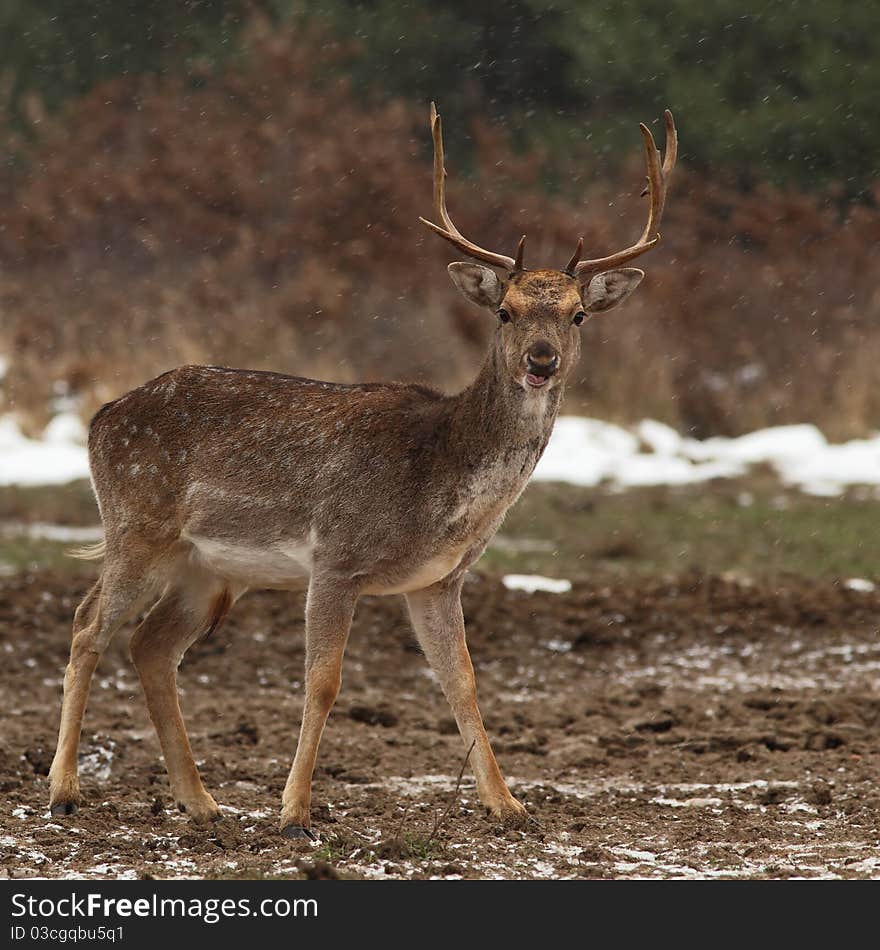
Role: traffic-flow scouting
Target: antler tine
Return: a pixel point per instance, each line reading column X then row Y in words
column 671, row 146
column 449, row 231
column 520, row 249
column 658, row 174
column 655, row 183
column 671, row 149
column 440, row 173
column 570, row 266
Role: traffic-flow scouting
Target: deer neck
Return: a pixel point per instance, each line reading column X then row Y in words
column 496, row 415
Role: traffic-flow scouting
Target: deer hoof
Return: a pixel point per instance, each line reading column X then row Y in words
column 298, row 832
column 510, row 813
column 63, row 809
column 201, row 813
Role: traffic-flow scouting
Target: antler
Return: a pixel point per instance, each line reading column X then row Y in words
column 449, row 231
column 658, row 179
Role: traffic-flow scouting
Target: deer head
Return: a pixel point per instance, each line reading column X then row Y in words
column 539, row 311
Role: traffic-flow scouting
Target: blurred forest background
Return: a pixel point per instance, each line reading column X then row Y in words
column 240, row 183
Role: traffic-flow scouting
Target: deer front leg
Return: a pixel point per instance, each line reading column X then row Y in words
column 439, row 626
column 329, row 609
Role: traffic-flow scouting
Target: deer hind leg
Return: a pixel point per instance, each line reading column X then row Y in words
column 329, row 609
column 439, row 626
column 179, row 618
column 118, row 594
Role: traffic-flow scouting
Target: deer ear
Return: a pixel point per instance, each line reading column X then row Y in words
column 607, row 290
column 477, row 283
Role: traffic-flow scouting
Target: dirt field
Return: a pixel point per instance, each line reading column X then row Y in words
column 684, row 728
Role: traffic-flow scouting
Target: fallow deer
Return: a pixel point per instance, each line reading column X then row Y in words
column 212, row 481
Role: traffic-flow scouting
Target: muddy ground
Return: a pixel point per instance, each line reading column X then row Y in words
column 695, row 727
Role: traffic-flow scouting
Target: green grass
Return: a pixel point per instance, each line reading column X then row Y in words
column 71, row 504
column 336, row 847
column 749, row 525
column 19, row 555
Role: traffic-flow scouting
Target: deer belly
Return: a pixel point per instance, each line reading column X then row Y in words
column 426, row 574
column 272, row 565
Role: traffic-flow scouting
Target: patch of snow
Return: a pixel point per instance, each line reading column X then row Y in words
column 764, row 445
column 860, row 584
column 59, row 456
column 97, row 764
column 533, row 582
column 648, row 856
column 688, row 802
column 589, row 452
column 829, row 470
column 66, row 427
column 44, row 531
column 118, row 682
column 584, row 451
column 34, row 856
column 660, row 438
column 112, row 871
column 867, row 865
column 556, row 645
column 257, row 813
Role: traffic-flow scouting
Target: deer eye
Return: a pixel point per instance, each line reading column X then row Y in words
column 578, row 318
column 503, row 316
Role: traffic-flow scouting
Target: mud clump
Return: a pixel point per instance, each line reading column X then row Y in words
column 373, row 716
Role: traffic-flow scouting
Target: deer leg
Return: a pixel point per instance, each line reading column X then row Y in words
column 114, row 598
column 157, row 647
column 439, row 626
column 329, row 609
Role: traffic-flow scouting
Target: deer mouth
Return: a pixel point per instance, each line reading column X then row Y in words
column 535, row 381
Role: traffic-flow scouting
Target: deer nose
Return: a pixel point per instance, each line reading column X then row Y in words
column 542, row 359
